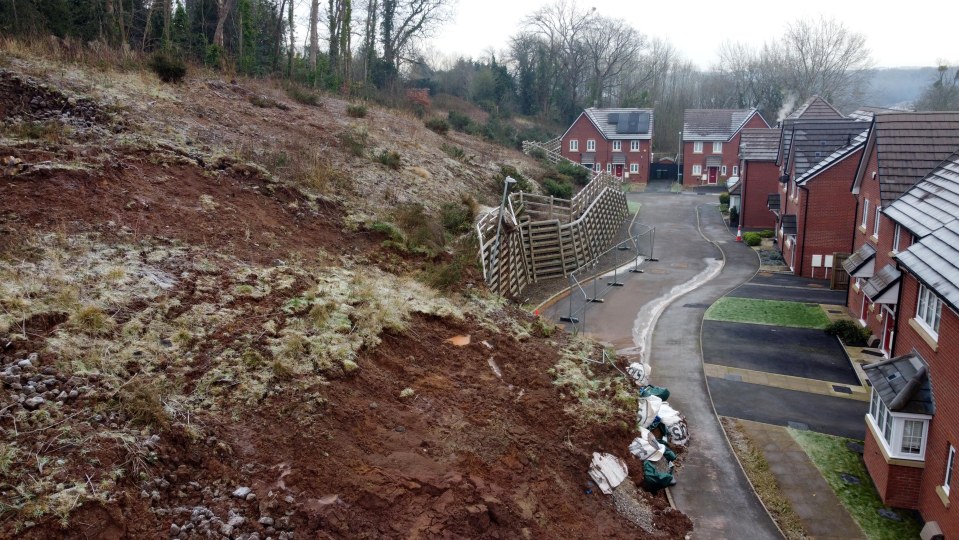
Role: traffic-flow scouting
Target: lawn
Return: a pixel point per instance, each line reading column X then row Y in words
column 774, row 312
column 861, row 500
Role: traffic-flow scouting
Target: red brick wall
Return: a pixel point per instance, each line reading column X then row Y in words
column 583, row 130
column 943, row 429
column 824, row 224
column 869, row 189
column 730, row 156
column 898, row 486
column 760, row 179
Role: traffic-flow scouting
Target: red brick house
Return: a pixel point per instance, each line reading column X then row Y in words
column 816, row 208
column 618, row 141
column 758, row 176
column 902, row 147
column 913, row 432
column 710, row 153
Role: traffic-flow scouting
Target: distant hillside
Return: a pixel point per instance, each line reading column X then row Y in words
column 897, row 87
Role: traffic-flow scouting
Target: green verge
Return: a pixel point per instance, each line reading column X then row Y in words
column 861, row 500
column 633, row 207
column 773, row 312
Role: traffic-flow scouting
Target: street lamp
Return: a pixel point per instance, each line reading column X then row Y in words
column 679, row 159
column 499, row 222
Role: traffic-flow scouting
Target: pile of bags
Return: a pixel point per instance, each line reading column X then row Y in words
column 655, row 416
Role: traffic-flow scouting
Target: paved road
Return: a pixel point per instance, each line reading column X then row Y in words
column 712, row 489
column 797, row 352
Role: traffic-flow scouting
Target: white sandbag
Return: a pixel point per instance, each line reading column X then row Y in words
column 646, row 447
column 648, row 410
column 669, row 415
column 639, row 372
column 608, row 471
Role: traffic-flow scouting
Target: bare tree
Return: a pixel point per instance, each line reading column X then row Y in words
column 561, row 26
column 612, row 49
column 369, row 37
column 404, row 20
column 223, row 9
column 942, row 94
column 823, row 57
column 314, row 36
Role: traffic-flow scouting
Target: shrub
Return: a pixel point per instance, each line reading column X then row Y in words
column 356, row 111
column 849, row 332
column 522, row 184
column 577, row 173
column 389, row 158
column 724, row 208
column 423, row 232
column 459, row 121
column 752, row 239
column 266, row 103
column 302, row 95
column 734, row 216
column 438, row 125
column 537, row 153
column 457, row 217
column 724, row 198
column 766, row 234
column 558, row 188
column 354, row 141
column 169, row 68
column 454, row 152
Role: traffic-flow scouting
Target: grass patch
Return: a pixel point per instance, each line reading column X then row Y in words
column 633, row 207
column 774, row 312
column 832, row 458
column 763, row 479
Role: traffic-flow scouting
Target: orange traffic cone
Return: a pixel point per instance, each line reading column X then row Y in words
column 739, row 233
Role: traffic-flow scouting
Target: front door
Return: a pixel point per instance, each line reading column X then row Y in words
column 713, row 175
column 619, row 171
column 888, row 327
column 863, row 313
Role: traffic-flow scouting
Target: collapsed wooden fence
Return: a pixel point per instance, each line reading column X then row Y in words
column 544, row 237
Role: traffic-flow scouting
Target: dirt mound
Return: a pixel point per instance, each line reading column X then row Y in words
column 30, row 99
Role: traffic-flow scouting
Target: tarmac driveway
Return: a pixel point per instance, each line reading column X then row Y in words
column 798, row 352
column 767, row 286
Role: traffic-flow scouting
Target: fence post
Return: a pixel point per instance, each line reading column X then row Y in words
column 569, row 318
column 616, row 282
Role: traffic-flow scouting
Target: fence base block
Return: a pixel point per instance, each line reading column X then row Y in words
column 595, row 300
column 573, row 320
column 615, row 284
column 636, row 271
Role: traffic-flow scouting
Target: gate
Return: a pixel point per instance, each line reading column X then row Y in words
column 840, row 278
column 663, row 171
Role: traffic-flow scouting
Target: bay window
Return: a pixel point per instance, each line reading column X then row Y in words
column 902, row 435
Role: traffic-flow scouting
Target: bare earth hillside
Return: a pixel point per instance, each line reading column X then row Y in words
column 206, row 329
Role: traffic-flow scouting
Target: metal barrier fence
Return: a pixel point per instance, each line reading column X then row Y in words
column 595, row 279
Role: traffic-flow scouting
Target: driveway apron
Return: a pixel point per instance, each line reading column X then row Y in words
column 712, row 488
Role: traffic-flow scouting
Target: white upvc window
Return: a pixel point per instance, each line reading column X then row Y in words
column 697, row 169
column 698, row 147
column 574, row 145
column 633, row 168
column 950, row 464
column 865, row 214
column 590, row 145
column 617, row 146
column 929, row 311
column 875, row 225
column 735, row 170
column 903, row 435
column 723, row 171
column 598, row 167
column 609, row 167
column 634, row 146
column 895, row 238
column 717, row 148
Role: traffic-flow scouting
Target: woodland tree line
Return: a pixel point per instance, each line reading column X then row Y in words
column 565, row 57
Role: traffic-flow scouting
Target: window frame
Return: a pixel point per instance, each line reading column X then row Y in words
column 617, row 146
column 609, row 168
column 897, row 232
column 597, row 167
column 875, row 225
column 891, row 427
column 698, row 147
column 722, row 170
column 634, row 145
column 865, row 214
column 928, row 311
column 574, row 145
column 717, row 147
column 590, row 145
column 634, row 168
column 735, row 170
column 697, row 170
column 950, row 467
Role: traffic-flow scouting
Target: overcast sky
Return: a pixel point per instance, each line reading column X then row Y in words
column 913, row 33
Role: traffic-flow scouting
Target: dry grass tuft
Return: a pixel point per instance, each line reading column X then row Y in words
column 92, row 320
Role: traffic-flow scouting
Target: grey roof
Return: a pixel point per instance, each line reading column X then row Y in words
column 815, row 107
column 759, row 144
column 789, row 225
column 812, row 141
column 867, row 113
column 909, row 145
column 903, row 384
column 622, row 123
column 772, row 201
column 934, row 260
column 881, row 282
column 857, row 142
column 932, row 202
column 859, row 259
column 714, row 124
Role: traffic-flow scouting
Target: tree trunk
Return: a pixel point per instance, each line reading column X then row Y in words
column 369, row 41
column 278, row 39
column 334, row 16
column 289, row 62
column 146, row 28
column 314, row 38
column 167, row 9
column 223, row 8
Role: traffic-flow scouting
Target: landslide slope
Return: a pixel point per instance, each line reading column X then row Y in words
column 204, row 333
